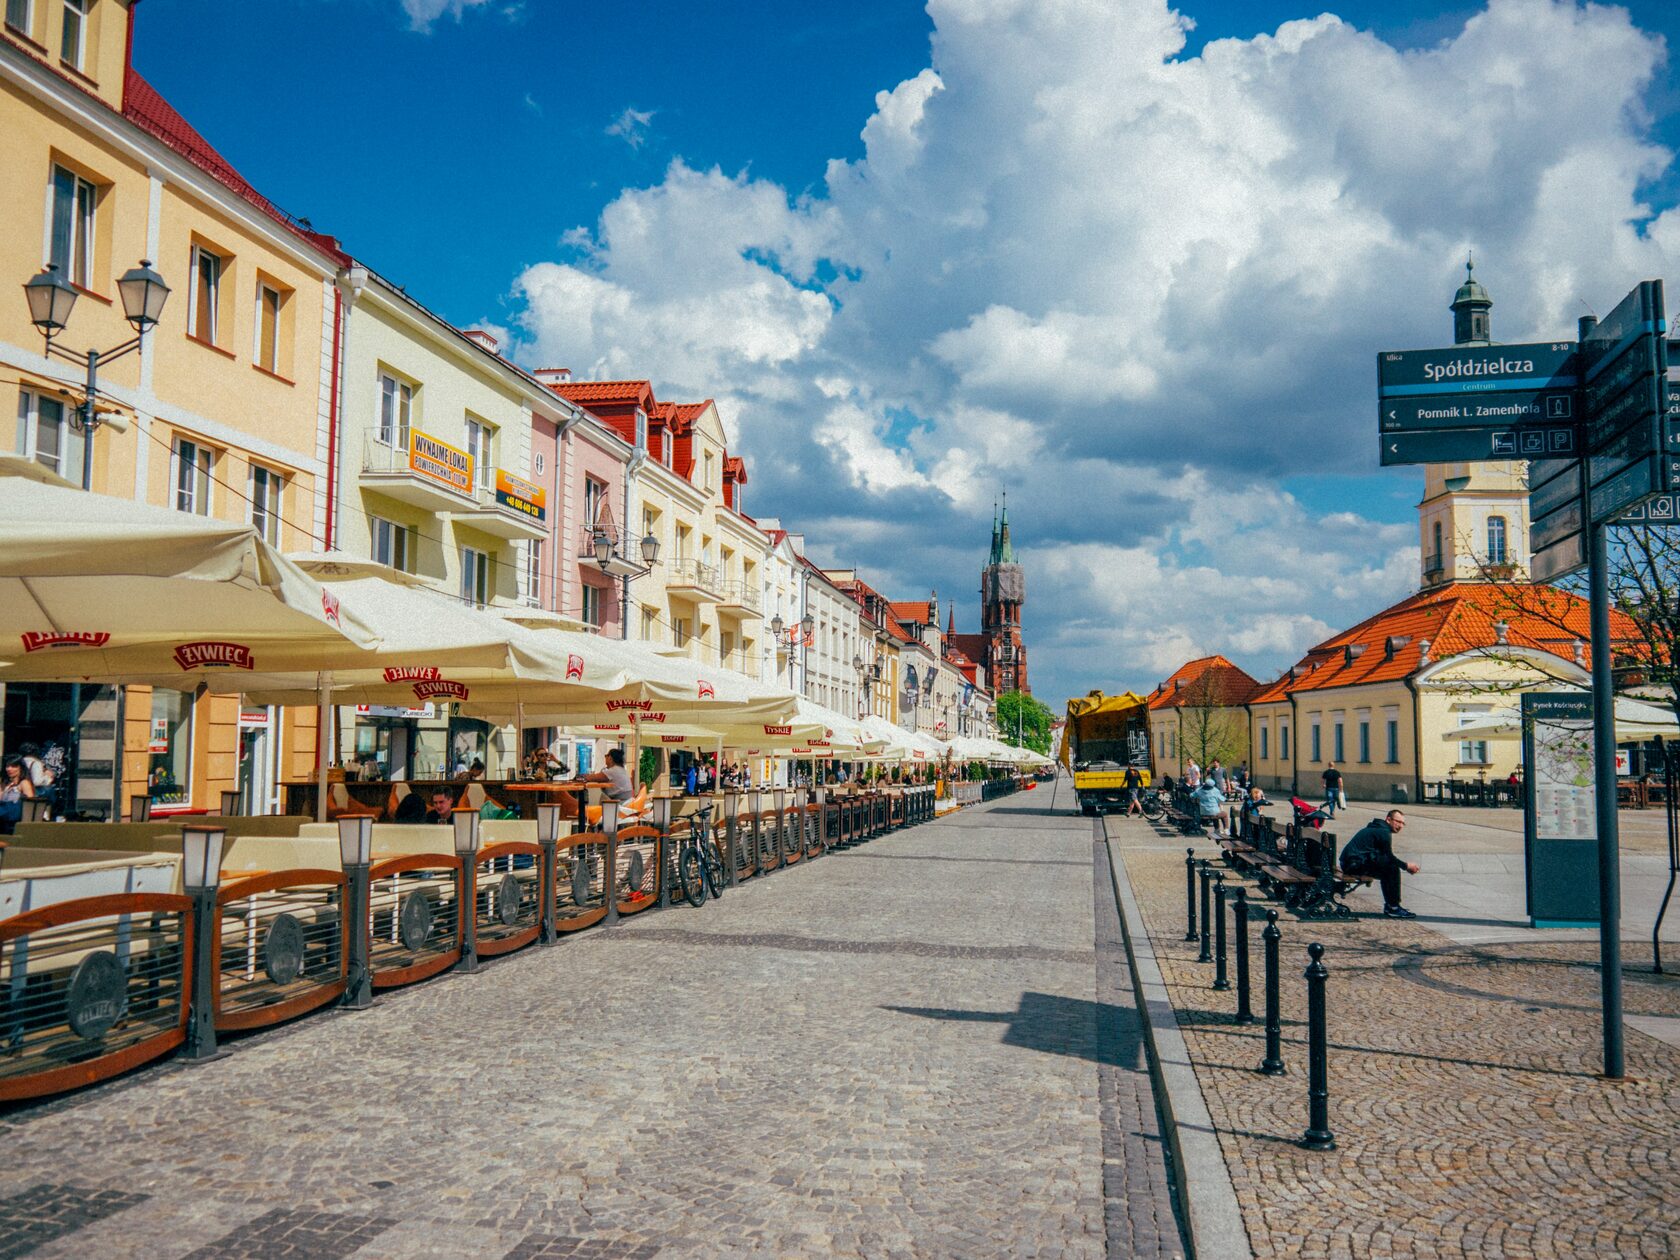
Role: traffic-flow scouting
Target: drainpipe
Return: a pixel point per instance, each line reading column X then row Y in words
column 562, row 456
column 1417, row 740
column 638, row 457
column 352, row 280
column 1295, row 746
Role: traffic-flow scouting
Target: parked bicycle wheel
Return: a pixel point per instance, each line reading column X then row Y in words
column 1153, row 808
column 691, row 875
column 713, row 867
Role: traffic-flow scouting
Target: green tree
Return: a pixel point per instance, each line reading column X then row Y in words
column 1024, row 721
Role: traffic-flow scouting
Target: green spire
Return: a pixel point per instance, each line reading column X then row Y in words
column 1005, row 552
column 993, row 557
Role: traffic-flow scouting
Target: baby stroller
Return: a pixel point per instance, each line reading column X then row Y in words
column 1308, row 815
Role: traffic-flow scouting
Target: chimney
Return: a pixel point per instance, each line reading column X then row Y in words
column 1423, row 651
column 1580, row 652
column 553, row 376
column 483, row 338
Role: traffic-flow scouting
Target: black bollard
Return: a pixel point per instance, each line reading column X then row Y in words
column 1207, row 912
column 1190, row 893
column 1318, row 1136
column 1272, row 1064
column 1239, row 910
column 1220, row 981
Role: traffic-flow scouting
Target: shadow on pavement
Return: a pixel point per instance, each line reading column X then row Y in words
column 1057, row 1025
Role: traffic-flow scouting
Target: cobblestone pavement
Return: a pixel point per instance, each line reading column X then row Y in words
column 1468, row 1115
column 919, row 1047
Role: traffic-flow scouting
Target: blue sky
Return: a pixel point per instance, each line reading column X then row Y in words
column 1135, row 272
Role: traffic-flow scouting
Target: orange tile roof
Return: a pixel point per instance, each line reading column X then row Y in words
column 606, row 391
column 1220, row 682
column 1456, row 618
column 913, row 610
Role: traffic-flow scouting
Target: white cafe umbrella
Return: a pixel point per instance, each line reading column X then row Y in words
column 1636, row 722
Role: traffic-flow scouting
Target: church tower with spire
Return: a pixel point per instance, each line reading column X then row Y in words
column 1003, row 589
column 1473, row 519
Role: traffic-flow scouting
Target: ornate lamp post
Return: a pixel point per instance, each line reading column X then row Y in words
column 602, row 544
column 51, row 298
column 355, row 854
column 466, row 848
column 201, row 876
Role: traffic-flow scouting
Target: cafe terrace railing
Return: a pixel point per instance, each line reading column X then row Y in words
column 94, row 987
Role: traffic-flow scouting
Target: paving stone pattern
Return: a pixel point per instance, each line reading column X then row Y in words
column 47, row 1211
column 1464, row 1095
column 917, row 1047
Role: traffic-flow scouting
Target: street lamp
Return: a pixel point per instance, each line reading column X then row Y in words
column 355, row 853
column 466, row 907
column 548, row 840
column 201, row 876
column 603, row 546
column 51, row 298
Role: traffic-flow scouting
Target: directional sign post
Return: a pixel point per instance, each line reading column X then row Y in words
column 1462, row 403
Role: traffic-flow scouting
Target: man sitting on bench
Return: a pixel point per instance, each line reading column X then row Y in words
column 1210, row 801
column 1370, row 854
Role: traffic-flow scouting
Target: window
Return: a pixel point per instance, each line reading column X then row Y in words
column 641, row 430
column 45, row 436
column 1265, row 745
column 396, row 405
column 1437, row 542
column 1283, row 741
column 266, row 353
column 1336, row 741
column 206, row 271
column 706, row 484
column 1317, row 746
column 192, row 477
column 73, row 46
column 1496, row 539
column 1393, row 726
column 169, row 748
column 539, row 464
column 594, row 495
column 592, row 605
column 475, row 577
column 649, row 626
column 266, row 489
column 1473, row 751
column 70, row 247
column 18, row 15
column 481, row 439
column 390, row 543
column 1365, row 741
column 533, row 572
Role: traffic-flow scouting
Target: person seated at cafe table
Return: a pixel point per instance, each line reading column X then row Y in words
column 613, row 779
column 443, row 806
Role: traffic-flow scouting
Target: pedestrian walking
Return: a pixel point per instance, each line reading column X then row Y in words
column 1192, row 775
column 1134, row 787
column 1334, row 798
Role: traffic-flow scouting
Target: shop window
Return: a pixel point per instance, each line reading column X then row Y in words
column 169, row 748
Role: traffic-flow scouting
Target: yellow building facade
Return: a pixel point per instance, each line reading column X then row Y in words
column 220, row 413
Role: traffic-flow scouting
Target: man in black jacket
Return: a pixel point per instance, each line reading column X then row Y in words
column 1371, row 854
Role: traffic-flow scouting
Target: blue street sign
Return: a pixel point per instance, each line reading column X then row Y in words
column 1477, row 369
column 1507, row 408
column 1452, row 446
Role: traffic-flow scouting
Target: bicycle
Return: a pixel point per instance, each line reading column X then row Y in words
column 1154, row 808
column 699, row 869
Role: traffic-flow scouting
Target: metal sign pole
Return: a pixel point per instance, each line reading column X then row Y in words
column 1604, row 770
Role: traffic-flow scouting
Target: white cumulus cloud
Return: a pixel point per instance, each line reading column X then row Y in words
column 1135, row 288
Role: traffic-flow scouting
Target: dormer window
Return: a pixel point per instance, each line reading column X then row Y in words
column 641, row 429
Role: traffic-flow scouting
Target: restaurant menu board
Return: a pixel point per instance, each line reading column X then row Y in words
column 1560, row 824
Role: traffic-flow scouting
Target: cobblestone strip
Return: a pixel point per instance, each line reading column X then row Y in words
column 821, row 945
column 1139, row 1204
column 292, row 1234
column 561, row 1247
column 1464, row 1095
column 45, row 1212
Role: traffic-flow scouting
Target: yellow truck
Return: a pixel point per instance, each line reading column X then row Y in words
column 1104, row 737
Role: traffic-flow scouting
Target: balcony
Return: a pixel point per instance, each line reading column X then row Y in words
column 620, row 563
column 692, row 580
column 506, row 506
column 417, row 469
column 1433, row 565
column 738, row 600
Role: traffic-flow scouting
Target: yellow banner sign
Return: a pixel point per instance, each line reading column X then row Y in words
column 521, row 495
column 445, row 464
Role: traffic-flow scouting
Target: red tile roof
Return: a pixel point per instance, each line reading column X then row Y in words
column 974, row 646
column 1456, row 618
column 735, row 469
column 146, row 108
column 1208, row 680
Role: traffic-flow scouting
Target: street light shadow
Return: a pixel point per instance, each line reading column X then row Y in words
column 1073, row 1027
